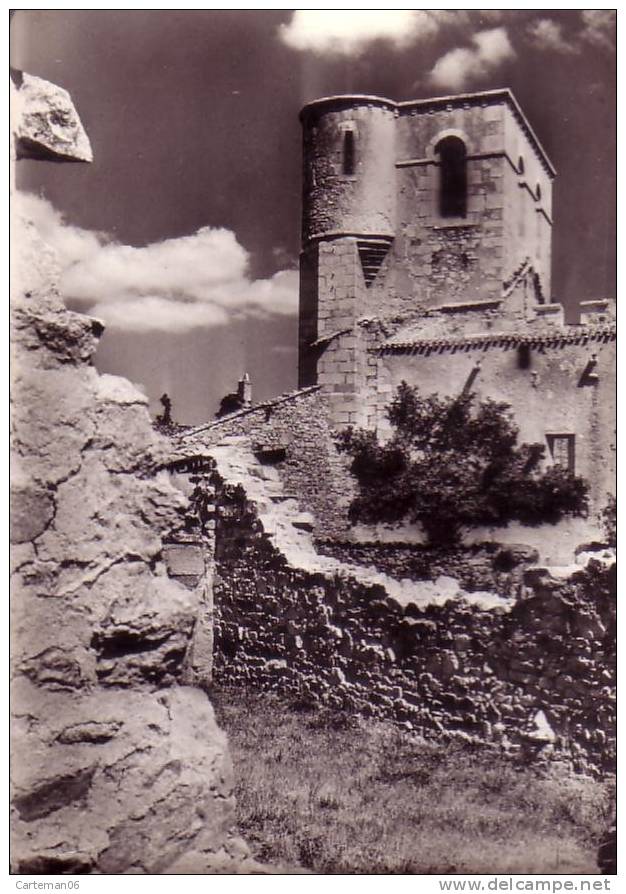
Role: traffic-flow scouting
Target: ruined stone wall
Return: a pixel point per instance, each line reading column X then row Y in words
column 117, row 766
column 483, row 566
column 445, row 664
column 293, row 439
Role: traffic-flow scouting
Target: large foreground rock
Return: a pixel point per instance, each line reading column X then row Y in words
column 117, row 766
column 46, row 122
column 118, row 782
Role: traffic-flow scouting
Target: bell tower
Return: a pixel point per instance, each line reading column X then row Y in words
column 437, row 210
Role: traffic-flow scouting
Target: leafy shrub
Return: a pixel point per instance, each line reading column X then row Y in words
column 452, row 463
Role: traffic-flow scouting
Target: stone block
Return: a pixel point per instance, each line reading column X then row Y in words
column 184, row 559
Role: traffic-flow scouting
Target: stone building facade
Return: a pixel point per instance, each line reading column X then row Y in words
column 440, row 278
column 426, row 257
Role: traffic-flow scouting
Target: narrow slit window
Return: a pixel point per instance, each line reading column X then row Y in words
column 452, row 177
column 348, row 152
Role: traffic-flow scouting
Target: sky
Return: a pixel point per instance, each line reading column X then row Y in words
column 183, row 234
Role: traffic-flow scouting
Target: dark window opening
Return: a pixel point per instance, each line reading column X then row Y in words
column 538, row 192
column 520, row 165
column 348, row 152
column 452, row 177
column 270, row 456
column 523, row 357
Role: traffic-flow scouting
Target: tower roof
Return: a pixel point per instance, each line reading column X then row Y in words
column 485, row 97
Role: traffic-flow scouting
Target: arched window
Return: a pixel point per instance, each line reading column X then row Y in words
column 348, row 152
column 452, row 177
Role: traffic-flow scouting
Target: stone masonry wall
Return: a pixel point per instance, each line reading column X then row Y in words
column 550, row 391
column 117, row 766
column 291, row 435
column 482, row 566
column 523, row 674
column 362, row 201
column 333, row 292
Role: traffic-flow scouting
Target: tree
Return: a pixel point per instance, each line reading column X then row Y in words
column 230, row 403
column 452, row 463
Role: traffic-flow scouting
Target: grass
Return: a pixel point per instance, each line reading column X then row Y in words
column 331, row 793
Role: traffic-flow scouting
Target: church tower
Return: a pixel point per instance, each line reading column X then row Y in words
column 436, row 212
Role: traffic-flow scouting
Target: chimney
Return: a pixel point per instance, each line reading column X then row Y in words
column 244, row 391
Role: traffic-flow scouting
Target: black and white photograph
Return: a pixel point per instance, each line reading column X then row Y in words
column 313, row 445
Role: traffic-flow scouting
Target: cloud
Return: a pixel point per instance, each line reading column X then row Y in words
column 599, row 27
column 546, row 34
column 348, row 32
column 152, row 313
column 456, row 67
column 175, row 285
column 71, row 243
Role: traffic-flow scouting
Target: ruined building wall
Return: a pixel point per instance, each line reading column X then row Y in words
column 560, row 386
column 293, row 439
column 424, row 655
column 117, row 765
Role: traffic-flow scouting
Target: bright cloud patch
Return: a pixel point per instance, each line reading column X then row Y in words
column 190, row 267
column 548, row 35
column 151, row 313
column 71, row 243
column 174, row 285
column 350, row 31
column 599, row 27
column 458, row 66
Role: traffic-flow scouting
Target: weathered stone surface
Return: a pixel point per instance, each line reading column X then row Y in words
column 119, row 782
column 116, row 766
column 531, row 673
column 68, row 336
column 481, row 566
column 32, row 510
column 146, row 629
column 47, row 124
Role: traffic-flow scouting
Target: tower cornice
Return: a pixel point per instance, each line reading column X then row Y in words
column 434, row 103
